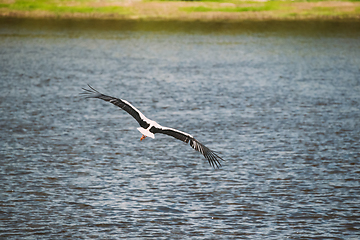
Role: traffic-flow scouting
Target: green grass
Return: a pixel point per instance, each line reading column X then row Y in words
column 329, row 11
column 324, row 10
column 224, row 9
column 61, row 7
column 255, row 7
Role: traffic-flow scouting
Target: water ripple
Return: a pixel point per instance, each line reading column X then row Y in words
column 280, row 106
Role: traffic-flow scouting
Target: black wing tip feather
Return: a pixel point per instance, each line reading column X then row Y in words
column 212, row 157
column 90, row 93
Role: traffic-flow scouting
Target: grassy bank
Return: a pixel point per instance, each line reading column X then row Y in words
column 205, row 10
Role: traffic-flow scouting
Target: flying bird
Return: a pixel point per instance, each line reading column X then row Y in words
column 149, row 128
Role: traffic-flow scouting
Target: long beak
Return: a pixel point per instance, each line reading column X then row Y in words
column 143, row 137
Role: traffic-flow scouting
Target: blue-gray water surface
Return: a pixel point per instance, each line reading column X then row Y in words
column 280, row 102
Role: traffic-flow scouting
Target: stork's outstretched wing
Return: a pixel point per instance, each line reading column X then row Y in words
column 125, row 105
column 211, row 156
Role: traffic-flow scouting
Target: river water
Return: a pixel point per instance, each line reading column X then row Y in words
column 280, row 102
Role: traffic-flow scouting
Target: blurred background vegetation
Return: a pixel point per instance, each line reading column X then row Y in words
column 182, row 10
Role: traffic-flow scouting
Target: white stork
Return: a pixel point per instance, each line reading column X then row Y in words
column 148, row 127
